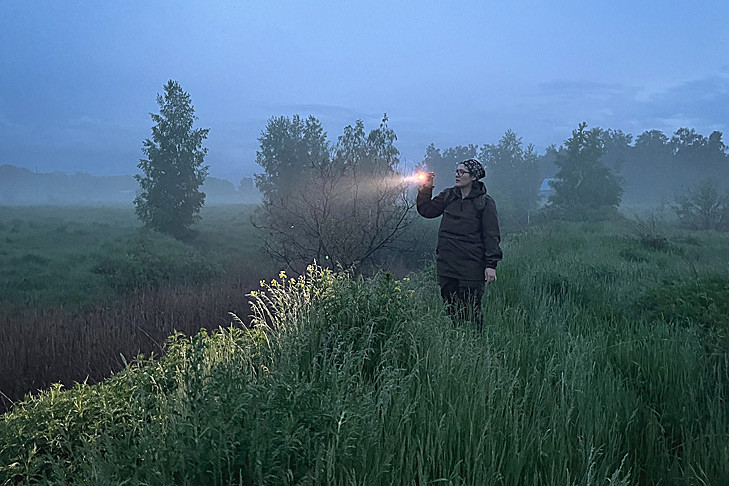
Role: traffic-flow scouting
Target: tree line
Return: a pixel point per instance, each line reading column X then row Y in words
column 345, row 202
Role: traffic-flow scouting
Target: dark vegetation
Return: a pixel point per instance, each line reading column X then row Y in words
column 649, row 170
column 79, row 287
column 170, row 198
column 582, row 374
column 703, row 207
column 342, row 204
column 584, row 188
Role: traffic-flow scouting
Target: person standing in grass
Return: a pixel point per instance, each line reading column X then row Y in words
column 468, row 239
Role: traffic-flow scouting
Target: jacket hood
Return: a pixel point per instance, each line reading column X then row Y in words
column 477, row 189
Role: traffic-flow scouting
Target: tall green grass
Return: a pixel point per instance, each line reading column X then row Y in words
column 574, row 380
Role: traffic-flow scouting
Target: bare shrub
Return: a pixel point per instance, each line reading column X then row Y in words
column 649, row 231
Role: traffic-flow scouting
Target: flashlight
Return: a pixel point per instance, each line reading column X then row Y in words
column 419, row 177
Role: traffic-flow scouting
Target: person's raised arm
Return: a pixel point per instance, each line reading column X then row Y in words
column 429, row 206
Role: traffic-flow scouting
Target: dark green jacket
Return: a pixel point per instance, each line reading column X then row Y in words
column 468, row 238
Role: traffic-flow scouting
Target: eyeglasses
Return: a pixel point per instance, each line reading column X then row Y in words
column 460, row 172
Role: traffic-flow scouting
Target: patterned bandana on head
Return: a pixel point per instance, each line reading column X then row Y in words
column 475, row 168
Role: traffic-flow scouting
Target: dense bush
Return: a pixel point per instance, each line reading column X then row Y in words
column 584, row 187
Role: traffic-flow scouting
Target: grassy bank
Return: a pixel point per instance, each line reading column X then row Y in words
column 583, row 375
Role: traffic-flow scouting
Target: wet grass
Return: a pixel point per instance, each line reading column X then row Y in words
column 366, row 381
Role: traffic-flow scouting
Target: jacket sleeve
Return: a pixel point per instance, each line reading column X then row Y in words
column 427, row 207
column 491, row 234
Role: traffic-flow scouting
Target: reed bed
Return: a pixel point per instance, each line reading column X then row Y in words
column 41, row 347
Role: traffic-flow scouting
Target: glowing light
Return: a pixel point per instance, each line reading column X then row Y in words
column 419, row 177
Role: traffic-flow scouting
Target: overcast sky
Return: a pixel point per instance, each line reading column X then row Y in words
column 79, row 79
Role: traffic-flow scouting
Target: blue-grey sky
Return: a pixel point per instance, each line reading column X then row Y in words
column 79, row 79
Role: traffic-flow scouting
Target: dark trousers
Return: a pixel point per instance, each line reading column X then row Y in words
column 463, row 299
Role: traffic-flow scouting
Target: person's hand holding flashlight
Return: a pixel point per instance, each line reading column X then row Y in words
column 426, row 180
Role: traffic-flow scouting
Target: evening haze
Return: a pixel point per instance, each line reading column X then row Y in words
column 79, row 79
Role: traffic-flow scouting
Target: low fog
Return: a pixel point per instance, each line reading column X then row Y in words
column 654, row 168
column 23, row 187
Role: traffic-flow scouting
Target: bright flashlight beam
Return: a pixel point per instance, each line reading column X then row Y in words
column 419, row 177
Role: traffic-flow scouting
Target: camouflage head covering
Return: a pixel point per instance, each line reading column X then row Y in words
column 475, row 168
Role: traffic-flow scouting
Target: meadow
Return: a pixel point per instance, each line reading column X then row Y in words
column 55, row 256
column 603, row 360
column 82, row 289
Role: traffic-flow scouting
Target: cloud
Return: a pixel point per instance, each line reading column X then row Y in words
column 574, row 88
column 547, row 112
column 700, row 103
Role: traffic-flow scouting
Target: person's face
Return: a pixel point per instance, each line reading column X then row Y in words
column 463, row 177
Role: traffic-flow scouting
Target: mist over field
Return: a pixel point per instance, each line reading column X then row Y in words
column 23, row 187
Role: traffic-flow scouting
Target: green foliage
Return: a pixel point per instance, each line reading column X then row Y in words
column 655, row 167
column 343, row 205
column 170, row 199
column 147, row 261
column 512, row 170
column 353, row 381
column 289, row 149
column 584, row 185
column 703, row 208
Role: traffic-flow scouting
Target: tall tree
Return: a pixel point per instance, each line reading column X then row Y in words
column 170, row 199
column 616, row 145
column 648, row 171
column 583, row 182
column 433, row 160
column 513, row 171
column 697, row 157
column 289, row 148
